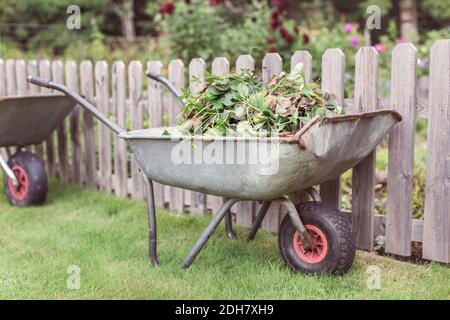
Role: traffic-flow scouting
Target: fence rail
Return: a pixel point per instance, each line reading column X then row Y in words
column 83, row 152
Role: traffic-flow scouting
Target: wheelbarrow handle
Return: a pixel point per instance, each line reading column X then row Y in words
column 81, row 101
column 159, row 78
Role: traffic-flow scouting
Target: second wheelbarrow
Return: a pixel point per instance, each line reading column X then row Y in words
column 313, row 237
column 25, row 121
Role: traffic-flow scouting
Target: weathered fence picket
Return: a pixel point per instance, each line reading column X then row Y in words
column 333, row 71
column 178, row 197
column 104, row 134
column 135, row 78
column 197, row 69
column 63, row 166
column 87, row 90
column 219, row 66
column 77, row 150
column 436, row 234
column 366, row 99
column 305, row 58
column 246, row 210
column 119, row 104
column 155, row 111
column 74, row 119
column 272, row 65
column 401, row 151
column 45, row 72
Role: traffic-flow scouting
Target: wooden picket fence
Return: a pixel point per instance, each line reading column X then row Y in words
column 83, row 152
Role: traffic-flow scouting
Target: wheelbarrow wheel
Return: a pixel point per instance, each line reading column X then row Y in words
column 32, row 179
column 331, row 234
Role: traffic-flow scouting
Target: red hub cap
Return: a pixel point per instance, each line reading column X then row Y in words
column 316, row 254
column 20, row 192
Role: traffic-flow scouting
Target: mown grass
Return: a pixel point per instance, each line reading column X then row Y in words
column 106, row 238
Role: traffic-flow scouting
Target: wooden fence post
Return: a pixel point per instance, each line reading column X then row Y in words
column 104, row 134
column 197, row 69
column 63, row 166
column 155, row 111
column 87, row 90
column 272, row 65
column 365, row 99
column 245, row 209
column 33, row 70
column 436, row 236
column 119, row 102
column 333, row 71
column 401, row 151
column 137, row 120
column 21, row 77
column 220, row 66
column 46, row 73
column 177, row 196
column 74, row 120
column 305, row 58
column 11, row 88
column 2, row 78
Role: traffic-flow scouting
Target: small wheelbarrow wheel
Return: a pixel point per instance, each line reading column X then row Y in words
column 32, row 180
column 331, row 234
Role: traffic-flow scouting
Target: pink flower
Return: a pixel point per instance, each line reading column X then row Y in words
column 379, row 47
column 401, row 40
column 354, row 41
column 348, row 27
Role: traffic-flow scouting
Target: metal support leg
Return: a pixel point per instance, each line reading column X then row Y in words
column 259, row 218
column 8, row 172
column 293, row 214
column 208, row 232
column 313, row 193
column 152, row 242
column 229, row 224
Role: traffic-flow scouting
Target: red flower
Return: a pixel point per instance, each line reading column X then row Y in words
column 270, row 40
column 216, row 2
column 275, row 15
column 167, row 7
column 274, row 24
column 286, row 35
column 305, row 38
column 272, row 49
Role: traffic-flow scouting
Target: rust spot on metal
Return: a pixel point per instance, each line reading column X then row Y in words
column 302, row 143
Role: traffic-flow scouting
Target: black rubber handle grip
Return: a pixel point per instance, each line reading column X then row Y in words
column 154, row 76
column 39, row 81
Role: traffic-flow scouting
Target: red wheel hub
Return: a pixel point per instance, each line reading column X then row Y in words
column 20, row 191
column 320, row 244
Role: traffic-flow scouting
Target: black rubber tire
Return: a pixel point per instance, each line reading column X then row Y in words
column 337, row 230
column 37, row 179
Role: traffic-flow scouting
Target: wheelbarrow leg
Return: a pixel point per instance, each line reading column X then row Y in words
column 152, row 242
column 259, row 218
column 229, row 224
column 223, row 211
column 298, row 224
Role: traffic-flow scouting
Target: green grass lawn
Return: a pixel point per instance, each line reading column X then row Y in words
column 106, row 238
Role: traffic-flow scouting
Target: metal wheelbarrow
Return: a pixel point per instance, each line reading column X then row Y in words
column 24, row 121
column 313, row 237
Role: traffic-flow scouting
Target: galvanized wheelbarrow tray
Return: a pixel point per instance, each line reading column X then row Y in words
column 24, row 121
column 313, row 237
